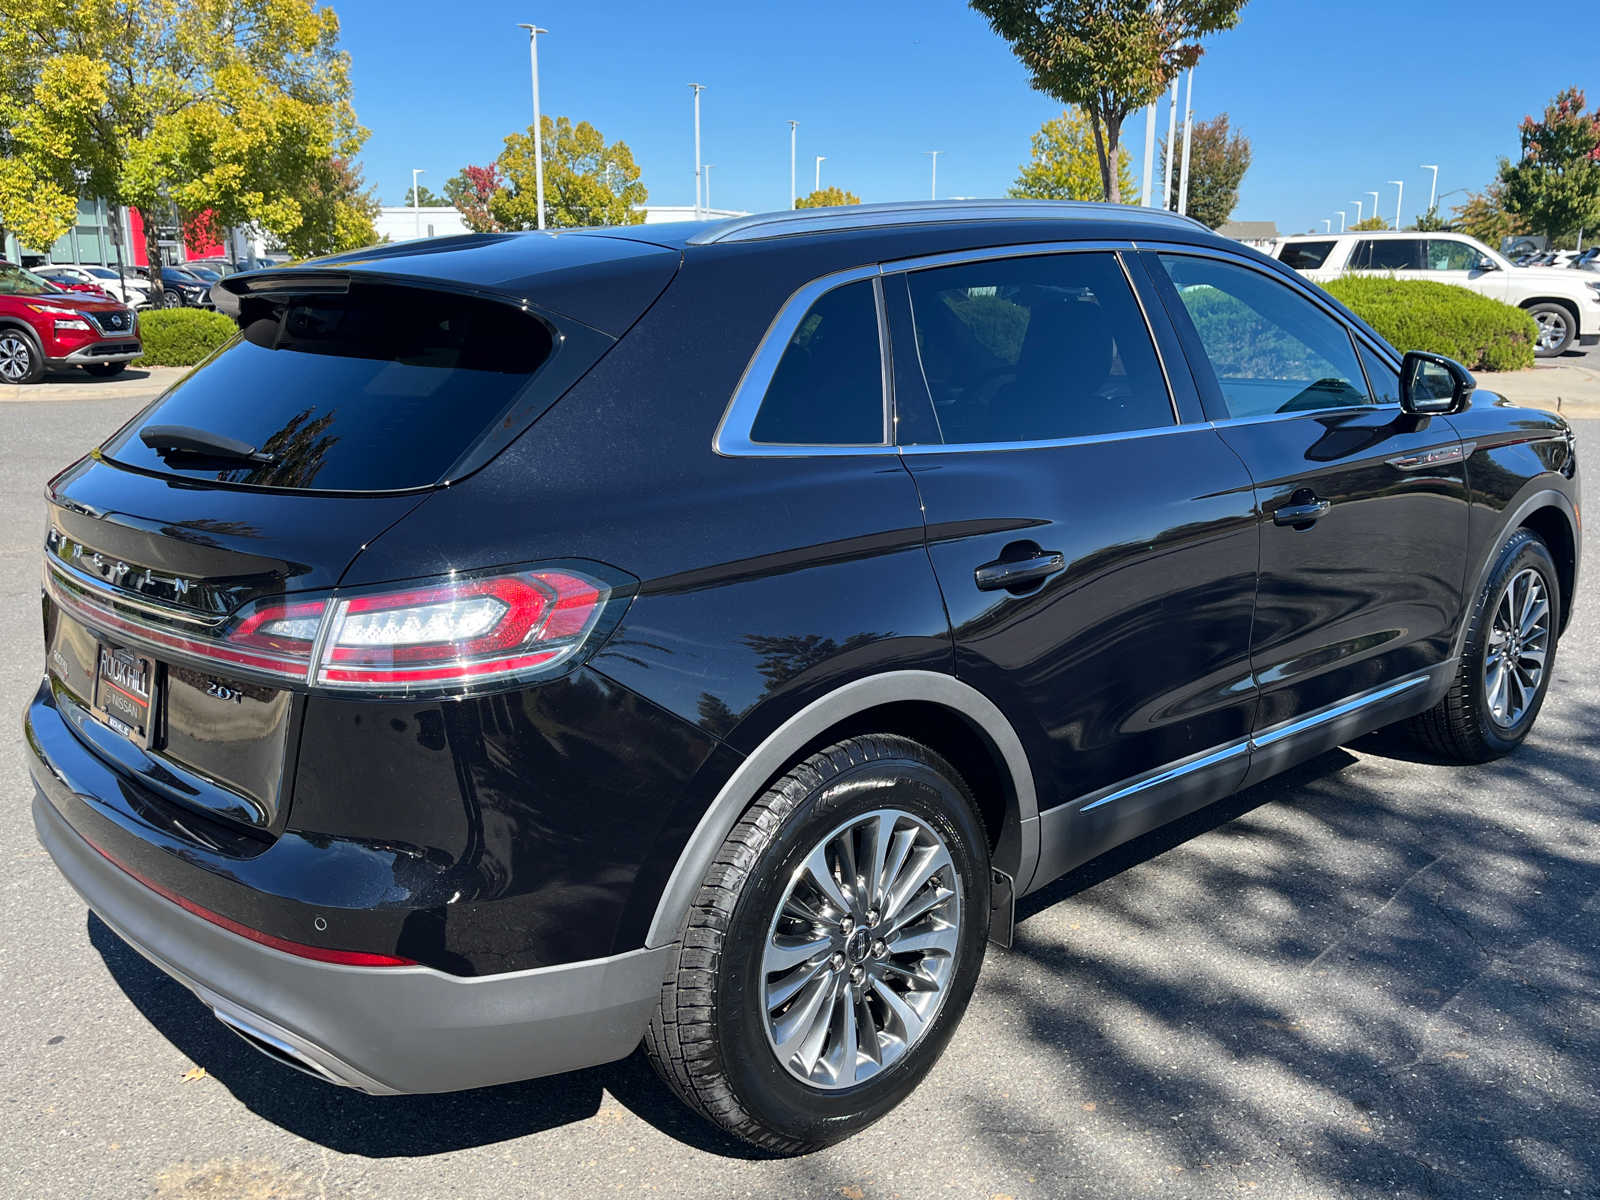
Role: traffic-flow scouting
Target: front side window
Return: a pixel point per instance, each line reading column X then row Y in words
column 1273, row 350
column 828, row 388
column 1036, row 349
column 14, row 281
column 1305, row 256
column 1386, row 254
column 1447, row 254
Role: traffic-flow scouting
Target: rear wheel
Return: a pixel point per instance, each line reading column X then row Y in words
column 831, row 950
column 21, row 360
column 105, row 370
column 1506, row 661
column 1557, row 328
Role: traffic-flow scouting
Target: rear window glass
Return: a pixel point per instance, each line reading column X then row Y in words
column 378, row 388
column 1305, row 256
column 828, row 388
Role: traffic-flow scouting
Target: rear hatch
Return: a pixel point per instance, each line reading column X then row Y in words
column 189, row 560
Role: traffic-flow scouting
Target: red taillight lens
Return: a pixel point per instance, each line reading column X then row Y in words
column 460, row 632
column 275, row 636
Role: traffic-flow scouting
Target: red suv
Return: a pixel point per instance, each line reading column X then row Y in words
column 43, row 327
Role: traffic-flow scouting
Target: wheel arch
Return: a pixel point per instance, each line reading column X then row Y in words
column 1541, row 510
column 19, row 324
column 971, row 732
column 1553, row 526
column 1570, row 305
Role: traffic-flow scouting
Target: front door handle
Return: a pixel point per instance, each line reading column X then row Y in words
column 1019, row 575
column 1302, row 516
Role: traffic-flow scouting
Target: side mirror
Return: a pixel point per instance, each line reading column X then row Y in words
column 1486, row 264
column 1433, row 385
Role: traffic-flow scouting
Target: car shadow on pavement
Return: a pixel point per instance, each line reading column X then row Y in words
column 352, row 1122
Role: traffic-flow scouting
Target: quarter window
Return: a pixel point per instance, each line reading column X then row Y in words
column 1382, row 379
column 1035, row 349
column 1386, row 254
column 828, row 388
column 1273, row 350
column 1447, row 254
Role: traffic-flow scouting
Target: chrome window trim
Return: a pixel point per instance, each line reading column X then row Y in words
column 1261, row 418
column 1087, row 439
column 732, row 438
column 954, row 258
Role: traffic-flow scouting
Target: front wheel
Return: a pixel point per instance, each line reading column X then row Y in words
column 1506, row 661
column 831, row 950
column 1557, row 328
column 21, row 361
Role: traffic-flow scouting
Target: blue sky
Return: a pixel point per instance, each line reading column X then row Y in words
column 1337, row 99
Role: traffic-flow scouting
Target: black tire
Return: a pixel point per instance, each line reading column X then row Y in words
column 1464, row 725
column 171, row 300
column 1557, row 329
column 105, row 370
column 709, row 1037
column 21, row 359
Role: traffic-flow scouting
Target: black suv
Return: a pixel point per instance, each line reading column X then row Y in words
column 512, row 647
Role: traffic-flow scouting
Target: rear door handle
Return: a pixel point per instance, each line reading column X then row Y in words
column 1302, row 514
column 997, row 576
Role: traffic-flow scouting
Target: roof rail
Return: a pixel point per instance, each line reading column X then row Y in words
column 795, row 222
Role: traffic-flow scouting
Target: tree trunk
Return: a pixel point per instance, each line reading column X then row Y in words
column 1100, row 152
column 152, row 256
column 1110, row 158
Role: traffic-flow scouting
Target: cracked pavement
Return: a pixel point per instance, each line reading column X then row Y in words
column 1376, row 975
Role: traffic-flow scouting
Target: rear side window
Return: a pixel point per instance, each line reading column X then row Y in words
column 828, row 388
column 1273, row 350
column 1386, row 254
column 1036, row 348
column 1305, row 256
column 373, row 389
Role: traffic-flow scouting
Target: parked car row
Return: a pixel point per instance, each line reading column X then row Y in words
column 187, row 285
column 1565, row 304
column 46, row 327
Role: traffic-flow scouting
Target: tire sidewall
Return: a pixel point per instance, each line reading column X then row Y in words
column 763, row 1086
column 36, row 371
column 1523, row 550
column 1568, row 322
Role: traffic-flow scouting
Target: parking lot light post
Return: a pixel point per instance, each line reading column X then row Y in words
column 1341, row 220
column 1358, row 204
column 1188, row 128
column 818, row 185
column 1374, row 196
column 935, row 190
column 1433, row 190
column 1398, row 200
column 1172, row 135
column 698, row 206
column 1149, row 152
column 416, row 199
column 792, row 126
column 538, row 125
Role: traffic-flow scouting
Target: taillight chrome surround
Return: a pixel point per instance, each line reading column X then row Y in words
column 446, row 635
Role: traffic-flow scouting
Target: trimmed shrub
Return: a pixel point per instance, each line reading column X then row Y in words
column 181, row 337
column 1415, row 314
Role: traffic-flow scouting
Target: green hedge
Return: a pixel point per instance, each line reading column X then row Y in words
column 181, row 337
column 1414, row 314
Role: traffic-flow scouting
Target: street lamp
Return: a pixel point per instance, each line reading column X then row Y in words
column 1172, row 136
column 1329, row 225
column 1398, row 200
column 1341, row 220
column 935, row 154
column 1433, row 190
column 1358, row 204
column 416, row 205
column 1374, row 196
column 538, row 125
column 698, row 88
column 820, row 159
column 1188, row 125
column 792, row 126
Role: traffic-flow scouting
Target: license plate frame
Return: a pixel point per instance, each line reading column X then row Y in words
column 126, row 692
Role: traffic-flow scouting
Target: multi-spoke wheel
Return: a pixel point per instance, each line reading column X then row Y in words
column 860, row 950
column 832, row 948
column 1506, row 660
column 20, row 359
column 1557, row 328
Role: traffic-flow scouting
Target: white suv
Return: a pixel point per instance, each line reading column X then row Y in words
column 1565, row 303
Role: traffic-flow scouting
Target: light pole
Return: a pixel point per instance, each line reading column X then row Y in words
column 1149, row 152
column 1398, row 200
column 416, row 207
column 1172, row 137
column 1433, row 191
column 1188, row 126
column 1374, row 196
column 818, row 186
column 792, row 126
column 1329, row 225
column 935, row 154
column 1341, row 220
column 1358, row 204
column 538, row 125
column 698, row 88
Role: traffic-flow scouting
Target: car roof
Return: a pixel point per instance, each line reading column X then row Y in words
column 1373, row 233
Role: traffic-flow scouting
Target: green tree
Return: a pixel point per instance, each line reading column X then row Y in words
column 828, row 197
column 336, row 212
column 1432, row 222
column 424, row 199
column 1369, row 223
column 1064, row 164
column 1485, row 217
column 1108, row 57
column 228, row 112
column 1219, row 158
column 586, row 182
column 1556, row 184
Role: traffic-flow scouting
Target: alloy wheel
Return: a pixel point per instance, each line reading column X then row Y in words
column 1552, row 330
column 859, row 956
column 1519, row 644
column 16, row 358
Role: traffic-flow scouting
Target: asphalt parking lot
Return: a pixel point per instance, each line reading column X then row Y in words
column 1374, row 976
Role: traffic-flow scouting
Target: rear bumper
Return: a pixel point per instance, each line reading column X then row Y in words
column 385, row 1030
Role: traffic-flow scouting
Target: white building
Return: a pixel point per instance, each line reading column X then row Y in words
column 657, row 214
column 408, row 224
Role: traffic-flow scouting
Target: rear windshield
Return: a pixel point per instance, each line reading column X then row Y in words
column 378, row 388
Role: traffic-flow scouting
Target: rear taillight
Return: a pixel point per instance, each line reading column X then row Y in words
column 460, row 632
